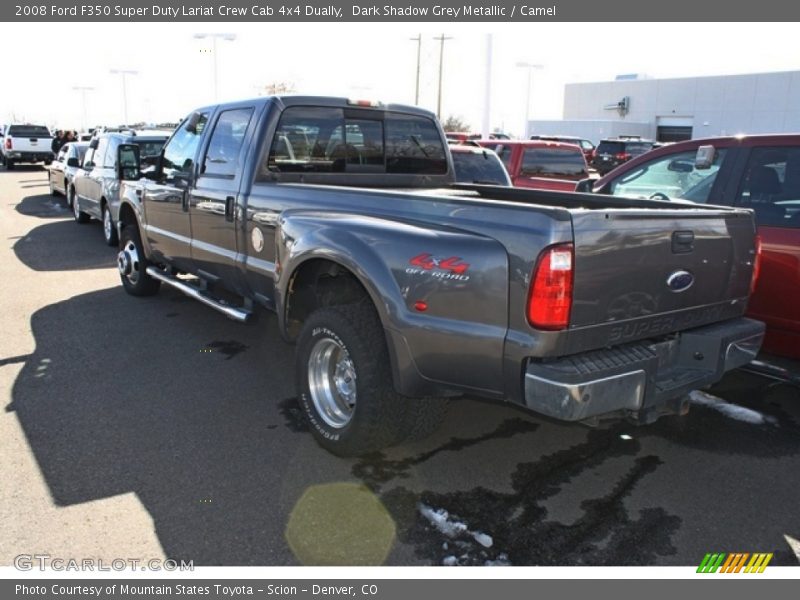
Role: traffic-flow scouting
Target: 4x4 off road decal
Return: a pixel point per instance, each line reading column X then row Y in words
column 442, row 268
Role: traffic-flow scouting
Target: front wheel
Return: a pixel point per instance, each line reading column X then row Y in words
column 345, row 383
column 9, row 164
column 109, row 228
column 132, row 265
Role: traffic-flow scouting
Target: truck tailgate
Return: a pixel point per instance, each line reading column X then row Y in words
column 639, row 265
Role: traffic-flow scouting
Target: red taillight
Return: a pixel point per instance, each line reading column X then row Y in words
column 756, row 264
column 622, row 156
column 8, row 143
column 550, row 298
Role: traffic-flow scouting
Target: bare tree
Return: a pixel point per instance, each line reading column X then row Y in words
column 455, row 123
column 280, row 87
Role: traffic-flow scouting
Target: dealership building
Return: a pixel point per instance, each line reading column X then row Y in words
column 684, row 108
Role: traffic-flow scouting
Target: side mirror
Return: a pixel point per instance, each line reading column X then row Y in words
column 705, row 157
column 73, row 162
column 94, row 143
column 128, row 162
column 191, row 124
column 585, row 186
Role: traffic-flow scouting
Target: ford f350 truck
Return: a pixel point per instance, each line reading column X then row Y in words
column 401, row 289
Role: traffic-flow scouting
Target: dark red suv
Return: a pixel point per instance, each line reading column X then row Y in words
column 761, row 172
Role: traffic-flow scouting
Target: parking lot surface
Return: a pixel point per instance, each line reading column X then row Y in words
column 158, row 428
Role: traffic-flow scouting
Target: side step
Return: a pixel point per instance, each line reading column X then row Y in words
column 233, row 312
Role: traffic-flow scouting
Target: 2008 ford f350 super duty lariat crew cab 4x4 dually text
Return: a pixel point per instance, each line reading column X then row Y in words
column 401, row 289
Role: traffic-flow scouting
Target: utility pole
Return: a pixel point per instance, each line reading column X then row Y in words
column 487, row 89
column 124, row 73
column 530, row 67
column 83, row 89
column 417, row 39
column 442, row 39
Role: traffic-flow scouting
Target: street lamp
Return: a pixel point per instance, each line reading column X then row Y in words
column 83, row 89
column 124, row 73
column 530, row 67
column 230, row 37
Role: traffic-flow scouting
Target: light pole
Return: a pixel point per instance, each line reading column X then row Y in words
column 530, row 67
column 417, row 39
column 83, row 89
column 124, row 73
column 230, row 37
column 442, row 39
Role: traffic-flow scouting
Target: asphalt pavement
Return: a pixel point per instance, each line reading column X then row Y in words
column 158, row 428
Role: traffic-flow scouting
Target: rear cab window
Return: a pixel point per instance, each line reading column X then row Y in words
column 30, row 131
column 336, row 140
column 479, row 167
column 557, row 163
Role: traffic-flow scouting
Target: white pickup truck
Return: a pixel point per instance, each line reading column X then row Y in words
column 26, row 144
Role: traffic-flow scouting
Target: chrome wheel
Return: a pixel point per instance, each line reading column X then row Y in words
column 128, row 262
column 108, row 225
column 332, row 382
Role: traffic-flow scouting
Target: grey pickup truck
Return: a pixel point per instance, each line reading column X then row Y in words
column 402, row 289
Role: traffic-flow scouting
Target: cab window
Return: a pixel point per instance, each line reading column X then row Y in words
column 180, row 151
column 668, row 177
column 222, row 156
column 771, row 186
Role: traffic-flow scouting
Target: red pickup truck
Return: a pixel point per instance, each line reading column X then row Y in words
column 760, row 172
column 541, row 164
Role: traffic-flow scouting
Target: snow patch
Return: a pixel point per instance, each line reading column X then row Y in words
column 453, row 528
column 733, row 411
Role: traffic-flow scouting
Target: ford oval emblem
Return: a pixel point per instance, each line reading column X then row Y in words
column 680, row 281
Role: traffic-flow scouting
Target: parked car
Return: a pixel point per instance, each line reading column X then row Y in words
column 612, row 152
column 400, row 289
column 94, row 191
column 26, row 144
column 62, row 170
column 758, row 172
column 540, row 164
column 586, row 146
column 473, row 164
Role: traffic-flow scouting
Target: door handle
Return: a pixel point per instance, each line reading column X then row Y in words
column 229, row 204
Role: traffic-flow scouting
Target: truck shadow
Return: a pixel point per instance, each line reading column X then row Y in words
column 44, row 206
column 64, row 245
column 165, row 399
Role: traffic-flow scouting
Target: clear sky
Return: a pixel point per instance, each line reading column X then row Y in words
column 42, row 63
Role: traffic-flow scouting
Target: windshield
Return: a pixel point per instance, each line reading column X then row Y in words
column 149, row 147
column 479, row 167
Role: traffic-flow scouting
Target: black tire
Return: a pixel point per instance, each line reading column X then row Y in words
column 132, row 263
column 70, row 195
column 377, row 419
column 77, row 214
column 109, row 228
column 9, row 165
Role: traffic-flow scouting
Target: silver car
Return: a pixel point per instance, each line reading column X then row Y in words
column 94, row 191
column 63, row 168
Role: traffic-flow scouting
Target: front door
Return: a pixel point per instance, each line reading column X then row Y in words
column 166, row 197
column 214, row 201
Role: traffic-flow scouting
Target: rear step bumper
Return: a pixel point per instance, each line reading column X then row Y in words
column 234, row 312
column 639, row 376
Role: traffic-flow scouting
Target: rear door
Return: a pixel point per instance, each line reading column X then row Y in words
column 214, row 203
column 770, row 186
column 56, row 170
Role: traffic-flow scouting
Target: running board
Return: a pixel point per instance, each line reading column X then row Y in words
column 233, row 312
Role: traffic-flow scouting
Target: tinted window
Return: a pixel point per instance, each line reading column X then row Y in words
column 554, row 162
column 325, row 140
column 180, row 151
column 667, row 177
column 149, row 147
column 479, row 167
column 28, row 131
column 771, row 186
column 610, row 147
column 637, row 148
column 413, row 145
column 222, row 156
